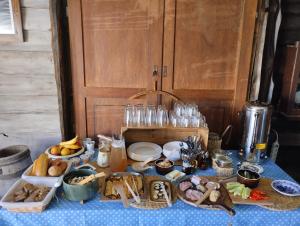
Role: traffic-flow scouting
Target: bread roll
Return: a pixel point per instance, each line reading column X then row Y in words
column 55, row 171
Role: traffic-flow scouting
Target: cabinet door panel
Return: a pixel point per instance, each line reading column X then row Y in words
column 122, row 41
column 114, row 46
column 105, row 115
column 207, row 36
column 207, row 51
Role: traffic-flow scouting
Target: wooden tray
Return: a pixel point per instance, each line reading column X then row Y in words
column 147, row 203
column 162, row 135
column 223, row 200
column 102, row 191
column 276, row 201
column 262, row 186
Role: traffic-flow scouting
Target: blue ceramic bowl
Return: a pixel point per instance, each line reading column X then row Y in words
column 80, row 192
column 286, row 187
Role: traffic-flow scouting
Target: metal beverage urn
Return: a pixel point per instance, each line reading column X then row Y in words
column 257, row 120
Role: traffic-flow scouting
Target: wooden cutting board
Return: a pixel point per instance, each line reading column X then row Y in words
column 276, row 201
column 224, row 200
column 264, row 185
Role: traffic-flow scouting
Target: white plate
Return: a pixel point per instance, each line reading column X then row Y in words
column 286, row 187
column 65, row 156
column 172, row 150
column 143, row 150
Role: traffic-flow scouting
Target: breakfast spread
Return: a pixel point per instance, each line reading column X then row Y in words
column 134, row 187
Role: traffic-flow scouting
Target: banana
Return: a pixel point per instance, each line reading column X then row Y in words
column 72, row 141
column 71, row 146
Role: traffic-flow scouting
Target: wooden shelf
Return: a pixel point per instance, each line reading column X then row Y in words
column 162, row 135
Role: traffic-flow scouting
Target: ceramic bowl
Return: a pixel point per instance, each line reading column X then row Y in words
column 163, row 170
column 172, row 149
column 80, row 192
column 286, row 187
column 243, row 179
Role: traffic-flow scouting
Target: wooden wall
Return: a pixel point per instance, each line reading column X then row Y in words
column 28, row 93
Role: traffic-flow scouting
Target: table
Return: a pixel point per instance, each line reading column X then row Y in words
column 63, row 212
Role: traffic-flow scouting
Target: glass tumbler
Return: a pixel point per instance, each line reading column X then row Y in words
column 139, row 115
column 178, row 108
column 128, row 115
column 150, row 115
column 173, row 119
column 162, row 118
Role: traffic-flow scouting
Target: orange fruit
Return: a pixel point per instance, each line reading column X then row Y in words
column 65, row 151
column 55, row 150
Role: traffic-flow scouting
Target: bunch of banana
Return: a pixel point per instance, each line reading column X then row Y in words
column 66, row 147
column 70, row 144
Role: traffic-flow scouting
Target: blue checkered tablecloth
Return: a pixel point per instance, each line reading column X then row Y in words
column 63, row 212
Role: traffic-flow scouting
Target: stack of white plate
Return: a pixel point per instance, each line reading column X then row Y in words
column 142, row 151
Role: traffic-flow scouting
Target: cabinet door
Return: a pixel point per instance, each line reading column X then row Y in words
column 207, row 51
column 114, row 46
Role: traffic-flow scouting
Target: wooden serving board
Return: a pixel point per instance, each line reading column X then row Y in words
column 276, row 201
column 264, row 185
column 224, row 200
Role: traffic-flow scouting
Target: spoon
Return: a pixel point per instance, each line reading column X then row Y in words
column 141, row 166
column 146, row 161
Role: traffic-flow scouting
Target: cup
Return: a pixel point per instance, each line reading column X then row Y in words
column 85, row 141
column 150, row 115
column 195, row 121
column 162, row 118
column 90, row 146
column 173, row 119
column 139, row 115
column 183, row 121
column 75, row 161
column 84, row 158
column 90, row 153
column 178, row 108
column 128, row 115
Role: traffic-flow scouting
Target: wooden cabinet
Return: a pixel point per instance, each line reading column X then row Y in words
column 204, row 47
column 290, row 95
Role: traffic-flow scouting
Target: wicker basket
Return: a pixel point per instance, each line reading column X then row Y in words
column 223, row 172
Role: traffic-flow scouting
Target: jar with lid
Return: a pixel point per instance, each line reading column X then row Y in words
column 103, row 155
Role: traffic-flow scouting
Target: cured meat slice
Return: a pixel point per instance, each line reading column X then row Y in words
column 193, row 194
column 185, row 185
